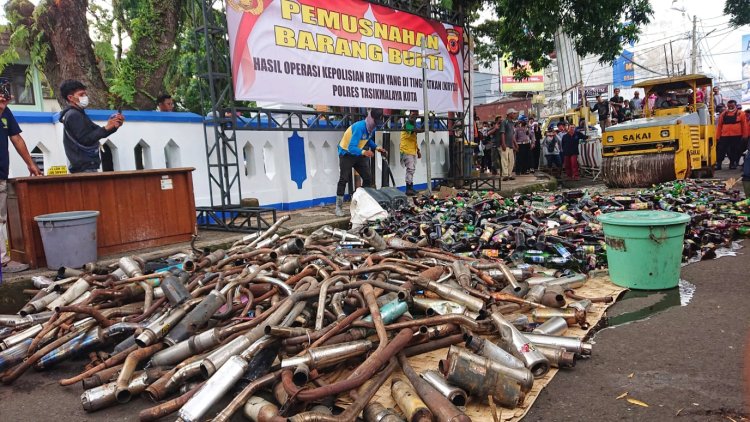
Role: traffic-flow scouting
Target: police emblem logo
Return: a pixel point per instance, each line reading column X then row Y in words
column 453, row 41
column 254, row 7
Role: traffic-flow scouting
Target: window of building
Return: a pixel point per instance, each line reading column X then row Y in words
column 21, row 87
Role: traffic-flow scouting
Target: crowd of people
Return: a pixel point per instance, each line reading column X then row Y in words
column 513, row 145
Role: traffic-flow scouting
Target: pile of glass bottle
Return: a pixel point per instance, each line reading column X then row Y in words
column 560, row 230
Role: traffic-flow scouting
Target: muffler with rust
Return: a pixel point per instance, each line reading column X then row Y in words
column 481, row 379
column 558, row 357
column 571, row 315
column 409, row 402
column 450, row 293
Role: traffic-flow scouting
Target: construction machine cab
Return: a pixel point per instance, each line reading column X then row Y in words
column 674, row 139
column 678, row 95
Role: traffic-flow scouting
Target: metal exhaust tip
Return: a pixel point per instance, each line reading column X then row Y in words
column 123, row 396
column 205, row 372
column 189, row 266
column 540, row 369
column 458, row 400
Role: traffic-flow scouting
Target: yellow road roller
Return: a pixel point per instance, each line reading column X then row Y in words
column 674, row 140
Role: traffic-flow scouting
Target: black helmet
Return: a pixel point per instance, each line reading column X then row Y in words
column 5, row 88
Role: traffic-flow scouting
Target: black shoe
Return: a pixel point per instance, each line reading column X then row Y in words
column 718, row 167
column 410, row 189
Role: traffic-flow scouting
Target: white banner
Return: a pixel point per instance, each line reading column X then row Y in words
column 343, row 53
column 567, row 62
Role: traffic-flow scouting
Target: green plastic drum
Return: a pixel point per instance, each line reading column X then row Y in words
column 644, row 248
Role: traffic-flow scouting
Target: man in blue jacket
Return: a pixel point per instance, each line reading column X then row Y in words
column 81, row 136
column 355, row 148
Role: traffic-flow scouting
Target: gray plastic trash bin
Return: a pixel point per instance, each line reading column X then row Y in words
column 69, row 238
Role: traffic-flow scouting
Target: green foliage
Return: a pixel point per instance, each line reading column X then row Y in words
column 102, row 26
column 145, row 27
column 739, row 10
column 526, row 31
column 181, row 81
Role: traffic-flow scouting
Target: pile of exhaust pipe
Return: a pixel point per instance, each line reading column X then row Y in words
column 282, row 324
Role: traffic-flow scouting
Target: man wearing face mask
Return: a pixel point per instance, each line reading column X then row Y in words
column 355, row 148
column 81, row 136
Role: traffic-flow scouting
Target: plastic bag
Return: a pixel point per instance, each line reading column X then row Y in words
column 364, row 208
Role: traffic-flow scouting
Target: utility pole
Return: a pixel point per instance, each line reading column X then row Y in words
column 426, row 122
column 694, row 52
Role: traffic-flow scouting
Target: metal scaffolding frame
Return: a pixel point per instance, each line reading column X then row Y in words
column 224, row 118
column 220, row 119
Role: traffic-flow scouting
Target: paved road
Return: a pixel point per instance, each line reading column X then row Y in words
column 685, row 362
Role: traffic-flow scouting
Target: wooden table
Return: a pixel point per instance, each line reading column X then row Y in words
column 138, row 209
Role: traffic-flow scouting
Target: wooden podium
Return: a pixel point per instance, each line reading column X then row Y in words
column 138, row 209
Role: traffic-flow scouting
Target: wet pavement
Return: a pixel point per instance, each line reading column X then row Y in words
column 678, row 351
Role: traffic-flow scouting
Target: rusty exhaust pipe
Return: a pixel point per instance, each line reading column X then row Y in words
column 409, row 402
column 558, row 357
column 440, row 405
column 481, row 380
column 373, row 238
column 376, row 412
column 122, row 392
column 571, row 316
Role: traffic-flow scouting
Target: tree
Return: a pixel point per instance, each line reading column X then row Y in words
column 527, row 32
column 739, row 10
column 56, row 35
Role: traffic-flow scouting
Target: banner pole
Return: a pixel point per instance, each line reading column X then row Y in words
column 426, row 122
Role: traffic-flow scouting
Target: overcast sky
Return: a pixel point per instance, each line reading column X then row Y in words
column 720, row 46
